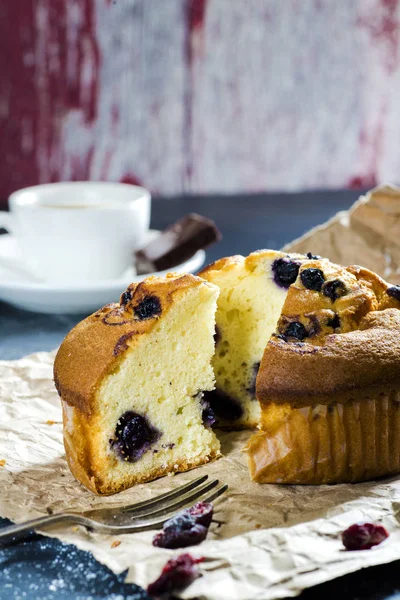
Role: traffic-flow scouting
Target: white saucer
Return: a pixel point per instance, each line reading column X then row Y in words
column 74, row 298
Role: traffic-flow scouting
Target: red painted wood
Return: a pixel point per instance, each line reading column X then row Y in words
column 44, row 76
column 200, row 95
column 18, row 98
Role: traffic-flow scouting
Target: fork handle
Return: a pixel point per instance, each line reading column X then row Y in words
column 16, row 531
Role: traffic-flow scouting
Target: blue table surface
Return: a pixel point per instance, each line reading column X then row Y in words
column 41, row 568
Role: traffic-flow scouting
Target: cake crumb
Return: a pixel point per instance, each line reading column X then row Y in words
column 50, row 422
column 115, row 544
column 2, row 462
column 74, row 529
column 258, row 526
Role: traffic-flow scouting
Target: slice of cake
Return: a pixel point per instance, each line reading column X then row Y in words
column 329, row 381
column 131, row 378
column 252, row 293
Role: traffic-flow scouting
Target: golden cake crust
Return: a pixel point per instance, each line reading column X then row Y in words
column 96, row 345
column 329, row 381
column 79, row 462
column 248, row 308
column 90, row 352
column 357, row 362
column 352, row 441
column 221, row 264
column 251, row 262
column 336, row 367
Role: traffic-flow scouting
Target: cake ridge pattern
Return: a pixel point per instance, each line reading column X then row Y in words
column 336, row 417
column 305, row 349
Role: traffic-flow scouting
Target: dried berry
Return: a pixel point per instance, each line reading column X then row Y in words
column 285, row 271
column 182, row 521
column 312, row 279
column 312, row 256
column 295, row 329
column 251, row 389
column 314, row 327
column 224, row 407
column 362, row 536
column 334, row 289
column 207, row 414
column 133, row 436
column 394, row 291
column 199, row 514
column 148, row 308
column 187, row 528
column 180, row 538
column 334, row 322
column 202, row 512
column 126, row 297
column 177, row 574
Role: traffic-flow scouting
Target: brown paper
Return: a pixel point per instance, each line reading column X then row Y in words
column 273, row 541
column 368, row 234
column 270, row 541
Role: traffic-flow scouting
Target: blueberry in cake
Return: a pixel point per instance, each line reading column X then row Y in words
column 252, row 293
column 131, row 378
column 329, row 381
column 306, row 349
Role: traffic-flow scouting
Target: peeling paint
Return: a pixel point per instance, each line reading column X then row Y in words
column 196, row 13
column 200, row 95
column 383, row 25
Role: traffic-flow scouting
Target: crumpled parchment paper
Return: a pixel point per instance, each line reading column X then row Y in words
column 368, row 234
column 270, row 541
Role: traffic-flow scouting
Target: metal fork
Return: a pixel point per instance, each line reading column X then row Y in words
column 149, row 514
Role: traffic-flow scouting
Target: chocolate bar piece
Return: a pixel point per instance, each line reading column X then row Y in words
column 177, row 243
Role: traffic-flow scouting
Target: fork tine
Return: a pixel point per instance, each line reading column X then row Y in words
column 183, row 500
column 154, row 523
column 216, row 493
column 162, row 499
column 153, row 520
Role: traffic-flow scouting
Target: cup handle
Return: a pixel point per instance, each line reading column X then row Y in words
column 6, row 221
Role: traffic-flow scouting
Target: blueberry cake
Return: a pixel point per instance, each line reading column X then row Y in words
column 252, row 293
column 132, row 377
column 329, row 381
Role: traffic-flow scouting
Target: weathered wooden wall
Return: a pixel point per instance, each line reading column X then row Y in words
column 200, row 95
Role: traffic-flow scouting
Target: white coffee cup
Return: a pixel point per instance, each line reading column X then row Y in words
column 78, row 230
